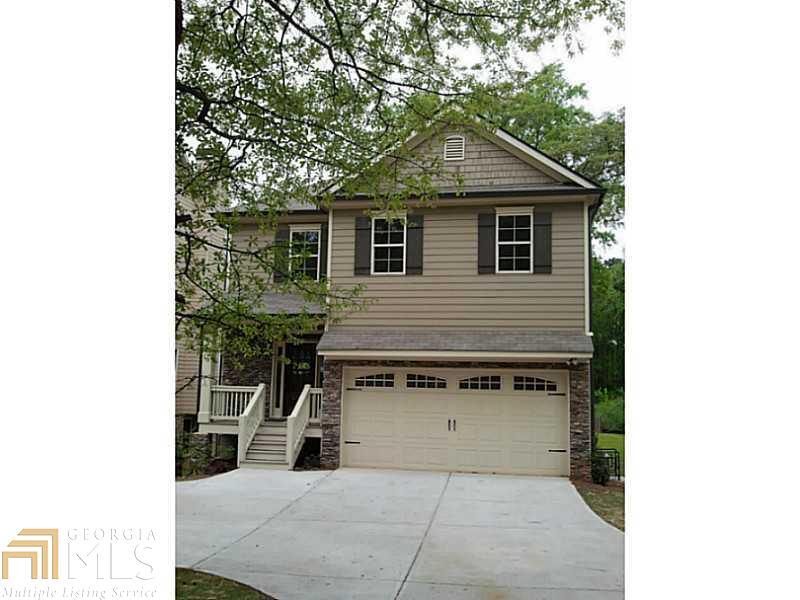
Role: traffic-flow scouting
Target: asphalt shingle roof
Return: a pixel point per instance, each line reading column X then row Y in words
column 288, row 303
column 468, row 340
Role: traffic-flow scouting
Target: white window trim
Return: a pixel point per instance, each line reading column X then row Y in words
column 510, row 212
column 463, row 141
column 401, row 217
column 304, row 229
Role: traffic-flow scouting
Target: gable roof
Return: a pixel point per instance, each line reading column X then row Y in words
column 545, row 159
column 564, row 179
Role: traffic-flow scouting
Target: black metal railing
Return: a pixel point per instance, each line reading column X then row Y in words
column 611, row 456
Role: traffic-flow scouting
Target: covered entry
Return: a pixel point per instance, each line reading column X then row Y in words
column 473, row 420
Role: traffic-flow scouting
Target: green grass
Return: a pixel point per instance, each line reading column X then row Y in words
column 614, row 440
column 194, row 585
column 607, row 501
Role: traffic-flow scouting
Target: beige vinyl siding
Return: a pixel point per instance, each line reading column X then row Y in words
column 450, row 293
column 186, row 372
column 188, row 364
column 250, row 235
column 485, row 164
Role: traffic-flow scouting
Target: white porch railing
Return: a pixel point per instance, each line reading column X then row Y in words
column 230, row 401
column 316, row 405
column 250, row 420
column 296, row 425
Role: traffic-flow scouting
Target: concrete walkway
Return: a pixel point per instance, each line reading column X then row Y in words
column 359, row 533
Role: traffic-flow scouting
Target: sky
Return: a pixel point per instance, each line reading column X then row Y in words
column 603, row 74
column 598, row 67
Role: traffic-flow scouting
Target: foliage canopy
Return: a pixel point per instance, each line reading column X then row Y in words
column 276, row 98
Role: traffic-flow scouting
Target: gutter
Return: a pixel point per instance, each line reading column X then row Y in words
column 571, row 191
column 299, row 211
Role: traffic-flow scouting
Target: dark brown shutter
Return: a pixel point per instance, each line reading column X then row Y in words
column 323, row 251
column 414, row 237
column 542, row 242
column 281, row 271
column 361, row 264
column 486, row 251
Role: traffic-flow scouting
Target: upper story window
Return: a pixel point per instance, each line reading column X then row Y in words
column 388, row 246
column 514, row 241
column 304, row 252
column 454, row 147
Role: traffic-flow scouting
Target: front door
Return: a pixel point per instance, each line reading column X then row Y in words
column 299, row 372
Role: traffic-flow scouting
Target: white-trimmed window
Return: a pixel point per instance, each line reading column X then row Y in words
column 417, row 381
column 388, row 246
column 304, row 251
column 481, row 382
column 379, row 380
column 514, row 236
column 454, row 147
column 523, row 383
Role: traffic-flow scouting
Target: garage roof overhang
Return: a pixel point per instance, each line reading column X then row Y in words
column 455, row 355
column 451, row 344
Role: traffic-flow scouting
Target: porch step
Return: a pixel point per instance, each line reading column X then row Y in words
column 268, row 445
column 271, row 435
column 266, row 452
column 266, row 459
column 257, row 464
column 269, row 440
column 268, row 448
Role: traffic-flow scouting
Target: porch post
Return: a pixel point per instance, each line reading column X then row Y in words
column 206, row 381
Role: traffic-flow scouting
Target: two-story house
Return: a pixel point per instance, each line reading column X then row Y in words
column 474, row 353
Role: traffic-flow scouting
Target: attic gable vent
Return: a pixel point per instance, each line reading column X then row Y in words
column 454, row 148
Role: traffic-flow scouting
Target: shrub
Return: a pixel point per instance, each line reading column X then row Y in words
column 192, row 454
column 600, row 472
column 609, row 410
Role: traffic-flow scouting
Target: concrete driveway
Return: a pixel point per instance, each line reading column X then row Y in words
column 359, row 533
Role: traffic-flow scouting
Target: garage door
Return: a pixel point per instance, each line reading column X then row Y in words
column 500, row 421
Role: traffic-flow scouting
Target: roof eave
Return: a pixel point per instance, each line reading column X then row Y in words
column 566, row 191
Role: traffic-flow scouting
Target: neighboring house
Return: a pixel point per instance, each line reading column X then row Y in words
column 474, row 355
column 189, row 368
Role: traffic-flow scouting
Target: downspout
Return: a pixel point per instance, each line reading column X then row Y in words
column 330, row 262
column 592, row 212
column 225, row 285
column 199, row 374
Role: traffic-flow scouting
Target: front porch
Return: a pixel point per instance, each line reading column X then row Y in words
column 271, row 419
column 263, row 441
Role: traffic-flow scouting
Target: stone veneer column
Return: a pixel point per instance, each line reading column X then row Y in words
column 580, row 429
column 331, row 417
